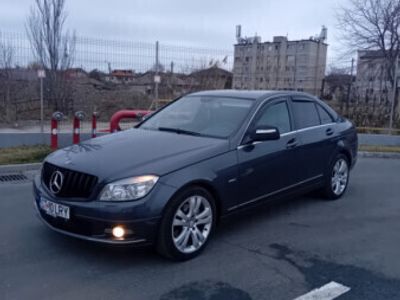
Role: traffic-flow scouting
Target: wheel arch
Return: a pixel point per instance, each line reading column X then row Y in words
column 207, row 185
column 346, row 153
column 344, row 149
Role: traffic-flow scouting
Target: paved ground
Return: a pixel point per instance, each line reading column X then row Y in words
column 278, row 252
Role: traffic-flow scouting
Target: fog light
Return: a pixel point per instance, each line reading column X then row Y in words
column 118, row 232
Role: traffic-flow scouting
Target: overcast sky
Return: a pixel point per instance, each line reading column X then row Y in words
column 203, row 23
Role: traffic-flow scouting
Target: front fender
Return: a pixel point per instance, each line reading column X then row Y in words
column 220, row 173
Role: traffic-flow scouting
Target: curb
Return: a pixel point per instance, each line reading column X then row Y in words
column 20, row 168
column 390, row 155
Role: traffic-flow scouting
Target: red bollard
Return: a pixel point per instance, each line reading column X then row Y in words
column 94, row 124
column 76, row 130
column 78, row 117
column 57, row 116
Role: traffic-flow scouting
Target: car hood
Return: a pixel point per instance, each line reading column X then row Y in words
column 137, row 152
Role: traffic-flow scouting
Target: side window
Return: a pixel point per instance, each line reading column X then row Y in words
column 305, row 114
column 276, row 115
column 325, row 117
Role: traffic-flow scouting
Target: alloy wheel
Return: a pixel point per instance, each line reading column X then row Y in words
column 340, row 174
column 191, row 224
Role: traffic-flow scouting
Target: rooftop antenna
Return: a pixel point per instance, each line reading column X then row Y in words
column 324, row 34
column 239, row 38
column 109, row 67
column 239, row 33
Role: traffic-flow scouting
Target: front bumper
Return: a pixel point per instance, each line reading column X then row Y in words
column 93, row 220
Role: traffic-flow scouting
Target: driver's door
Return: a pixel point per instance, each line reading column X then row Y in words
column 268, row 167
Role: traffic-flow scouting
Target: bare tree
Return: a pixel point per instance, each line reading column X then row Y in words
column 6, row 64
column 53, row 47
column 373, row 25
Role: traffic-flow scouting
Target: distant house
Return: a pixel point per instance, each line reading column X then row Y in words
column 121, row 76
column 20, row 74
column 170, row 84
column 336, row 86
column 76, row 73
column 213, row 78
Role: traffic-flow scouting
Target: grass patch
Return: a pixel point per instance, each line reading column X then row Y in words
column 369, row 148
column 23, row 154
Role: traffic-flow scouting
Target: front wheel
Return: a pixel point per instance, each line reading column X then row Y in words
column 338, row 178
column 187, row 224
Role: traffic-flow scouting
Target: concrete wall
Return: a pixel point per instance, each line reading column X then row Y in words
column 65, row 139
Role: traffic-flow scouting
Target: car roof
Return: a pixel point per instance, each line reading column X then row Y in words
column 248, row 94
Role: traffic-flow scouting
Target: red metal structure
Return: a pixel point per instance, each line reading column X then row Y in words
column 125, row 114
column 57, row 116
column 78, row 117
column 94, row 124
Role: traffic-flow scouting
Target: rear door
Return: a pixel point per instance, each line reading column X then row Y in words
column 316, row 133
column 268, row 167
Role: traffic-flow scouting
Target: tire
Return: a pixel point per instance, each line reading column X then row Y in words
column 187, row 224
column 337, row 178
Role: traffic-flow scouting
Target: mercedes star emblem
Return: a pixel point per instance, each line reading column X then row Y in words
column 56, row 181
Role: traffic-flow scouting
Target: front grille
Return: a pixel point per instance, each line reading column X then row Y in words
column 75, row 184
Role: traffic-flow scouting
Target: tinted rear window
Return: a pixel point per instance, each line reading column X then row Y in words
column 325, row 117
column 305, row 114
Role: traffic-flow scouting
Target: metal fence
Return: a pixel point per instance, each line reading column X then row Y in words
column 107, row 55
column 105, row 93
column 100, row 54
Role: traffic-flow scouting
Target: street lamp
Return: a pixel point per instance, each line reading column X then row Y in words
column 41, row 74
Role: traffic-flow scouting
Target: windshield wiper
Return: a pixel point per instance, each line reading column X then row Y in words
column 179, row 131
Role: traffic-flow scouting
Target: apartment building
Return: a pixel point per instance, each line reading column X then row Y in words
column 280, row 64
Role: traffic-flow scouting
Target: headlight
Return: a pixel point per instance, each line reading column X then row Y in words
column 128, row 189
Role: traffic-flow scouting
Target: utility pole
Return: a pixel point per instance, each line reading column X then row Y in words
column 295, row 68
column 322, row 88
column 396, row 66
column 349, row 87
column 316, row 72
column 156, row 78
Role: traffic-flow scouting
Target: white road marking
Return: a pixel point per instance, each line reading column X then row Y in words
column 329, row 291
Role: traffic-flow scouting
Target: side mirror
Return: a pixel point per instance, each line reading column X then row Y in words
column 265, row 133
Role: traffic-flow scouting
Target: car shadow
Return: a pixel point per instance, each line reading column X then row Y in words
column 271, row 211
column 116, row 255
column 146, row 255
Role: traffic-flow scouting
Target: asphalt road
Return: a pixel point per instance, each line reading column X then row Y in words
column 279, row 251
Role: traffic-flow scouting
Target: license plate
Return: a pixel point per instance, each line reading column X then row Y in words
column 54, row 209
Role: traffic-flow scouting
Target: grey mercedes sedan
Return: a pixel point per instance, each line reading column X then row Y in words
column 169, row 180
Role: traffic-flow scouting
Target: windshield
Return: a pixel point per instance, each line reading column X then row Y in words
column 201, row 115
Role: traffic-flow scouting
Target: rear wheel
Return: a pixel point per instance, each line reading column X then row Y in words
column 338, row 178
column 187, row 224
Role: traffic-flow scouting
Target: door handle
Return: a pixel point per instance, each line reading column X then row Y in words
column 292, row 144
column 329, row 131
